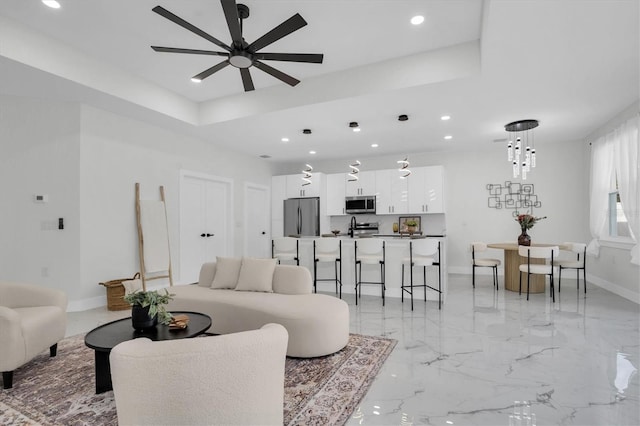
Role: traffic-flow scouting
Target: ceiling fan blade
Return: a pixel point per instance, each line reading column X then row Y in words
column 206, row 73
column 275, row 73
column 191, row 51
column 233, row 21
column 247, row 81
column 184, row 24
column 315, row 58
column 287, row 27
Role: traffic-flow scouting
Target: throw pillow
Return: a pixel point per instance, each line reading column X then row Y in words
column 256, row 275
column 227, row 272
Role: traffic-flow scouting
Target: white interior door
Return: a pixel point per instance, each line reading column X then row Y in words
column 256, row 230
column 205, row 217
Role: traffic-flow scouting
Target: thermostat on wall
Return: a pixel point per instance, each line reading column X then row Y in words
column 40, row 198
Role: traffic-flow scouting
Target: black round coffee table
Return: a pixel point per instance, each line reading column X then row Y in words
column 104, row 338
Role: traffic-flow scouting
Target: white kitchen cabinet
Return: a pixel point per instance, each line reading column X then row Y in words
column 335, row 194
column 426, row 190
column 391, row 192
column 295, row 188
column 365, row 185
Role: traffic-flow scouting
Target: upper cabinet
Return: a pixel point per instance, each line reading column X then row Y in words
column 365, row 185
column 335, row 194
column 392, row 192
column 426, row 190
column 296, row 189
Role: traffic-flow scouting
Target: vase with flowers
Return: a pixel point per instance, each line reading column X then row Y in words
column 526, row 222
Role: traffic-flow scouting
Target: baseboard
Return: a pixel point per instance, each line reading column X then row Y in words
column 591, row 279
column 614, row 288
column 96, row 302
column 86, row 304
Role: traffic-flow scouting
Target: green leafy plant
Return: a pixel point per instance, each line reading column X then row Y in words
column 527, row 221
column 411, row 222
column 155, row 301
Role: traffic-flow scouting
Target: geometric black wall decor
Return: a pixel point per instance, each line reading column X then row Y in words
column 513, row 195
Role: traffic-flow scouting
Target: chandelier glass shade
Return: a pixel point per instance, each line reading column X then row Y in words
column 521, row 150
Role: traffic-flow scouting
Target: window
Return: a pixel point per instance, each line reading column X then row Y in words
column 618, row 224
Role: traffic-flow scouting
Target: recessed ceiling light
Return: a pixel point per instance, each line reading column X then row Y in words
column 417, row 20
column 312, row 152
column 445, row 117
column 356, row 129
column 196, row 80
column 285, row 139
column 374, row 145
column 448, row 137
column 53, row 4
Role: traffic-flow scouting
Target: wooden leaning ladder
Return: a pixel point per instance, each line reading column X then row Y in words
column 160, row 227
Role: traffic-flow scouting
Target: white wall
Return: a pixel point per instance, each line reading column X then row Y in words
column 116, row 152
column 39, row 151
column 87, row 161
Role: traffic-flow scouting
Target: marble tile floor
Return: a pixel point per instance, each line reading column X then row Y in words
column 575, row 361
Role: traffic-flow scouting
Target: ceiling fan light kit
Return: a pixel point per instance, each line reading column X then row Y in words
column 239, row 53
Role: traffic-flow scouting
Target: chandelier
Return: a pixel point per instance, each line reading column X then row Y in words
column 353, row 174
column 306, row 175
column 520, row 137
column 404, row 168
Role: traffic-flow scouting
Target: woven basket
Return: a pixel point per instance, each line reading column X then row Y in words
column 115, row 293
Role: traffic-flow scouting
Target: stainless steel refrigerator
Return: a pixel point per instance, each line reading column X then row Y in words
column 302, row 217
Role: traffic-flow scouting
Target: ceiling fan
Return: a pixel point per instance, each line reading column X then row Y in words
column 239, row 53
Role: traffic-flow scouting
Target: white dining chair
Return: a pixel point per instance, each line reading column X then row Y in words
column 285, row 249
column 546, row 253
column 369, row 251
column 422, row 253
column 483, row 262
column 580, row 252
column 326, row 250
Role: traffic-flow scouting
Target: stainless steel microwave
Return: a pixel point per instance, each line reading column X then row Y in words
column 361, row 204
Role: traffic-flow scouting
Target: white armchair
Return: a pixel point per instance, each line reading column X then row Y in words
column 32, row 319
column 229, row 379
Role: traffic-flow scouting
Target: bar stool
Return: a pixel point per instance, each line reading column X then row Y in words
column 370, row 251
column 327, row 250
column 422, row 253
column 285, row 248
column 483, row 262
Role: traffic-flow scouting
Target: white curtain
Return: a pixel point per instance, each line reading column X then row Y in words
column 602, row 183
column 626, row 159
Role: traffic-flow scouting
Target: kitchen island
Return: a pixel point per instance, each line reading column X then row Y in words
column 397, row 249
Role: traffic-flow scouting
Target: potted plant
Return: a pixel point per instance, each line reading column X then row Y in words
column 412, row 225
column 526, row 222
column 148, row 308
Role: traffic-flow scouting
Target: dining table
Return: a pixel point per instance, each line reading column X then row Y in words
column 512, row 262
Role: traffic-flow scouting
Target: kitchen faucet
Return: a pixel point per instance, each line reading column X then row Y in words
column 353, row 226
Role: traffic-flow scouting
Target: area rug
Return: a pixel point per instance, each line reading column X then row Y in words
column 61, row 390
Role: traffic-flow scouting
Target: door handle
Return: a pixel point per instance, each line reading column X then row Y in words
column 207, row 235
column 203, row 235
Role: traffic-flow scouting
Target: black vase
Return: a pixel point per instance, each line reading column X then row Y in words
column 140, row 318
column 524, row 239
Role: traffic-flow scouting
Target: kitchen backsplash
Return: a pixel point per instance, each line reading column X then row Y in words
column 432, row 224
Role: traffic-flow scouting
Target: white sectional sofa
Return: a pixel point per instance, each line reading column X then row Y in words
column 317, row 324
